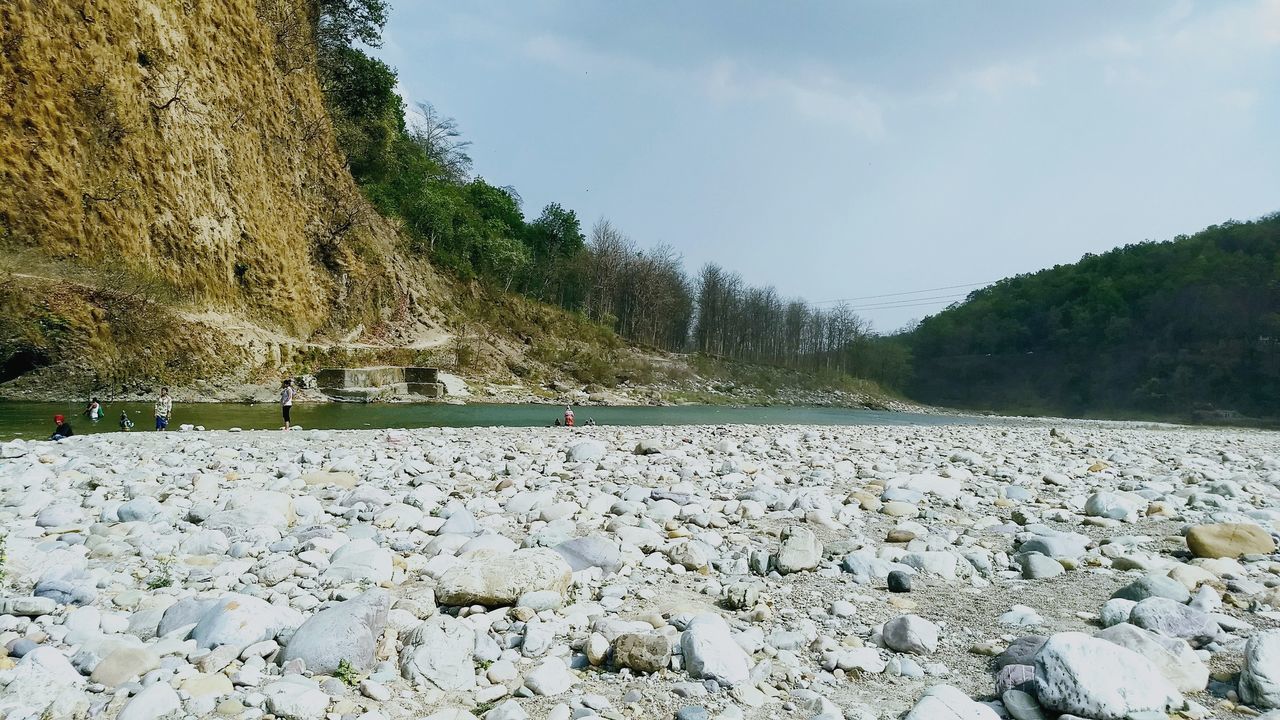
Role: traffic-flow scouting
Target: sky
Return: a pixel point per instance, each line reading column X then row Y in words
column 867, row 149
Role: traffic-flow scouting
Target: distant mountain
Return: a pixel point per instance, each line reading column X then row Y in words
column 1187, row 328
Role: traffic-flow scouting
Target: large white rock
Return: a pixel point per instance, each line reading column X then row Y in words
column 242, row 620
column 439, row 652
column 347, row 631
column 156, row 701
column 484, row 578
column 710, row 652
column 358, row 560
column 1097, row 679
column 586, row 450
column 296, row 698
column 943, row 702
column 1175, row 658
column 552, row 677
column 911, row 634
column 800, row 550
column 1260, row 676
column 43, row 684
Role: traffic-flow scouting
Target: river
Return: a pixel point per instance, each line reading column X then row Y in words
column 35, row 420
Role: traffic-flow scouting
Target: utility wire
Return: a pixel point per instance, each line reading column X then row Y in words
column 899, row 294
column 910, row 301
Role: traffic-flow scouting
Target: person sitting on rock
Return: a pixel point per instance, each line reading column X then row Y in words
column 63, row 429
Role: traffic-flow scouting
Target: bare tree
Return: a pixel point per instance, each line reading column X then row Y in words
column 439, row 137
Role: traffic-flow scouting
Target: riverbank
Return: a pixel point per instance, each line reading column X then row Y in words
column 32, row 420
column 719, row 571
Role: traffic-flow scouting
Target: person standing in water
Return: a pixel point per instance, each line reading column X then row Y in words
column 286, row 400
column 94, row 411
column 125, row 422
column 568, row 416
column 164, row 409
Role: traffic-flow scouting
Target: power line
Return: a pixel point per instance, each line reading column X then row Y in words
column 899, row 294
column 910, row 301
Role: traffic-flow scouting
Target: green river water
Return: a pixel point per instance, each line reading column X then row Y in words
column 35, row 420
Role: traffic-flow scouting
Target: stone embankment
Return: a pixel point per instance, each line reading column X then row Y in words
column 1101, row 571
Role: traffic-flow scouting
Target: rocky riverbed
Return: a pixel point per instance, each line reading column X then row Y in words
column 1029, row 571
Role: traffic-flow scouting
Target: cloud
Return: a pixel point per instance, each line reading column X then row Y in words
column 1003, row 78
column 815, row 93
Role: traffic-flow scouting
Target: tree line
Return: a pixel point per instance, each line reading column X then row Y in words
column 1186, row 328
column 416, row 168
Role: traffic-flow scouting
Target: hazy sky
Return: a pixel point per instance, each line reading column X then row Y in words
column 847, row 149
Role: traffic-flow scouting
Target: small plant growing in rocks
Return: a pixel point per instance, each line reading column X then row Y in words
column 163, row 576
column 346, row 673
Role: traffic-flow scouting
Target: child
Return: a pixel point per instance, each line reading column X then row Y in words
column 63, row 429
column 164, row 409
column 125, row 422
column 286, row 400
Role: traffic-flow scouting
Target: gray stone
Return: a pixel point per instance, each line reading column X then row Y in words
column 1260, row 675
column 296, row 698
column 586, row 552
column 59, row 515
column 552, row 677
column 27, row 606
column 911, row 633
column 1037, row 567
column 800, row 550
column 642, row 652
column 359, row 560
column 347, row 631
column 1153, row 586
column 187, row 611
column 242, row 620
column 497, row 580
column 66, row 586
column 156, row 701
column 1022, row 705
column 711, row 653
column 1064, row 545
column 141, row 509
column 1116, row 611
column 1097, row 679
column 44, row 684
column 943, row 702
column 898, row 581
column 1172, row 619
column 1022, row 651
column 438, row 652
column 1174, row 657
column 585, row 451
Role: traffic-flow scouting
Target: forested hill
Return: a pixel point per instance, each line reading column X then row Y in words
column 1188, row 328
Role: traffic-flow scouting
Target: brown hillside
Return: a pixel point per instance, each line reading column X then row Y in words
column 174, row 138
